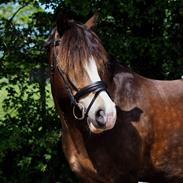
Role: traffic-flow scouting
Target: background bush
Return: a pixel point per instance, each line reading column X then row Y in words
column 145, row 35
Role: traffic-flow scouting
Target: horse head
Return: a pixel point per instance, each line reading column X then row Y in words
column 80, row 59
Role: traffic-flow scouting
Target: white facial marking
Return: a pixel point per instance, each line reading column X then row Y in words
column 103, row 101
column 91, row 70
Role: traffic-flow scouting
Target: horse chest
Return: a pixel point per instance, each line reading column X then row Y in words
column 76, row 153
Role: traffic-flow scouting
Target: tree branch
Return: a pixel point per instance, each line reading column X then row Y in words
column 26, row 4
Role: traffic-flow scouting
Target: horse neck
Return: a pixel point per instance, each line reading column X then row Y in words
column 114, row 68
column 124, row 83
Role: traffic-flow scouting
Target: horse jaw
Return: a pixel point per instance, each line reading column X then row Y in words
column 103, row 101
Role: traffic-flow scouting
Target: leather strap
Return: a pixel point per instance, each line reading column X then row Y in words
column 94, row 87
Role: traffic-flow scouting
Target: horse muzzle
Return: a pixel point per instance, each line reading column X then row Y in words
column 103, row 121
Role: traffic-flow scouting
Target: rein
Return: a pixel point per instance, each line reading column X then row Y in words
column 95, row 87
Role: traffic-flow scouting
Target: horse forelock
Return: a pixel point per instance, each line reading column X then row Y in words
column 78, row 45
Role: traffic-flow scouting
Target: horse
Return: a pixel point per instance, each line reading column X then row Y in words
column 117, row 126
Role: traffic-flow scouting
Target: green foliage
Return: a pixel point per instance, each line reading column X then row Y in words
column 145, row 35
column 29, row 149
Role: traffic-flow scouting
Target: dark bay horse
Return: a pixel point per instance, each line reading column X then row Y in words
column 117, row 126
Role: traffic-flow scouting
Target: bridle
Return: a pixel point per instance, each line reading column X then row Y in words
column 95, row 87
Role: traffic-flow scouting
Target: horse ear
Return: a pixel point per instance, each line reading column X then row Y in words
column 91, row 22
column 62, row 22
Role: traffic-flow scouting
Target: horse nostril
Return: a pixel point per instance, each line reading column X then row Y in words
column 100, row 118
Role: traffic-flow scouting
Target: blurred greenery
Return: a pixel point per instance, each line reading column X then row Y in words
column 145, row 35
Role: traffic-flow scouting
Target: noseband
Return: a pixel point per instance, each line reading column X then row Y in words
column 95, row 87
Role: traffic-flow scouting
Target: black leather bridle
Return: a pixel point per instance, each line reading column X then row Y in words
column 95, row 87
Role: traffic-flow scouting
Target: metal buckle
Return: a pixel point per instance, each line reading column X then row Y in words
column 82, row 109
